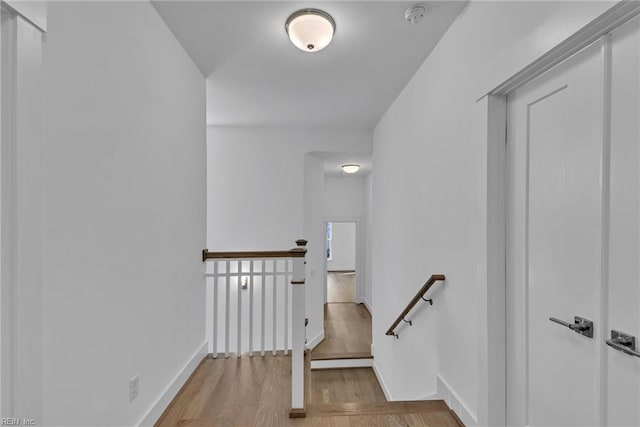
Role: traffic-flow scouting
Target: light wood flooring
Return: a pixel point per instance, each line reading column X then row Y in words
column 347, row 332
column 256, row 391
column 341, row 286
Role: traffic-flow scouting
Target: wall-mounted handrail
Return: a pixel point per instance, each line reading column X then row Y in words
column 419, row 296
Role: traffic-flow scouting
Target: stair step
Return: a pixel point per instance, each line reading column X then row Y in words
column 381, row 408
column 366, row 362
column 323, row 356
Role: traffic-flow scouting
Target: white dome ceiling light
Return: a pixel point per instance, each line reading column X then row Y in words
column 310, row 30
column 351, row 168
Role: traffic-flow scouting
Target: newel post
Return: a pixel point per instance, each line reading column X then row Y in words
column 298, row 409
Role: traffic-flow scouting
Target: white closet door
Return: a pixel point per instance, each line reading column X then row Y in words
column 554, row 244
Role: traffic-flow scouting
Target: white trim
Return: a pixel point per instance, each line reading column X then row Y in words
column 156, row 410
column 341, row 363
column 33, row 11
column 446, row 393
column 367, row 304
column 383, row 385
column 613, row 18
column 432, row 396
column 313, row 343
column 492, row 312
column 8, row 213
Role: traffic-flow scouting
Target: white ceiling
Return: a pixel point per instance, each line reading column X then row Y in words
column 256, row 77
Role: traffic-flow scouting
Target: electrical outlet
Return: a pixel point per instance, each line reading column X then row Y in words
column 133, row 387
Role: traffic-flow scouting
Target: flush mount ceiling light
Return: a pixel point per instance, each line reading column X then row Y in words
column 310, row 30
column 351, row 168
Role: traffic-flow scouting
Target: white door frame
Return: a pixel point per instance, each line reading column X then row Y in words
column 22, row 29
column 7, row 217
column 492, row 351
column 359, row 255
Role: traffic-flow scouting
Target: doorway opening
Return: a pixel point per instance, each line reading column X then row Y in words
column 347, row 322
column 341, row 262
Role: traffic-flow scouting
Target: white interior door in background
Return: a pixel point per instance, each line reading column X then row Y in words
column 554, row 244
column 343, row 247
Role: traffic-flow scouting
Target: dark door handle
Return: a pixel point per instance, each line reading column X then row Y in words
column 580, row 325
column 623, row 342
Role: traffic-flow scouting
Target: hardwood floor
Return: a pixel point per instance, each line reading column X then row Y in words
column 347, row 329
column 358, row 385
column 341, row 286
column 256, row 391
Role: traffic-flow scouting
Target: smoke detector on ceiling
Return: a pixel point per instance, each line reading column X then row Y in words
column 415, row 14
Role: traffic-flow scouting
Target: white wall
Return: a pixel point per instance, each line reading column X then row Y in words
column 344, row 196
column 124, row 211
column 343, row 247
column 265, row 190
column 315, row 234
column 430, row 214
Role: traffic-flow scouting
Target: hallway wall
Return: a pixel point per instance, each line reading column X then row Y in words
column 430, row 214
column 344, row 196
column 124, row 211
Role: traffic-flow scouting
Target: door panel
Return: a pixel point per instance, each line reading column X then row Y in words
column 623, row 371
column 554, row 244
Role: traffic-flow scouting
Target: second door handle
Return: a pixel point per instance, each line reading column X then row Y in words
column 619, row 340
column 623, row 342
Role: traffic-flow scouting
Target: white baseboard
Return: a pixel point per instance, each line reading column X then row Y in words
column 383, row 385
column 173, row 388
column 367, row 304
column 446, row 393
column 341, row 363
column 432, row 396
column 313, row 342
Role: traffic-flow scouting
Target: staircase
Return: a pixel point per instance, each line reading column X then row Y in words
column 258, row 373
column 427, row 413
column 343, row 361
column 347, row 342
column 368, row 409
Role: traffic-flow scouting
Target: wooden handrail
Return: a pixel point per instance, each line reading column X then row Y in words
column 423, row 290
column 298, row 252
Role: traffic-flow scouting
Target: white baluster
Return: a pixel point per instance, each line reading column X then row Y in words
column 286, row 307
column 262, row 317
column 275, row 302
column 215, row 309
column 239, row 344
column 227, row 308
column 251, row 308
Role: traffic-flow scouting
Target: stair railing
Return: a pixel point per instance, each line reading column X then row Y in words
column 418, row 297
column 264, row 276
